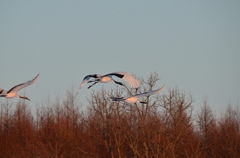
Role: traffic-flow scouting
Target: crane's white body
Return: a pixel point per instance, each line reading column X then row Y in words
column 135, row 98
column 134, row 83
column 13, row 91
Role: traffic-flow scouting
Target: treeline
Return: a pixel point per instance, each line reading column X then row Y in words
column 164, row 127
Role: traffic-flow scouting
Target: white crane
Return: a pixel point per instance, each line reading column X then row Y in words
column 134, row 83
column 13, row 91
column 134, row 99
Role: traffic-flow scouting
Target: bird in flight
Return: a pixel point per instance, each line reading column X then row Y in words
column 13, row 91
column 134, row 83
column 134, row 99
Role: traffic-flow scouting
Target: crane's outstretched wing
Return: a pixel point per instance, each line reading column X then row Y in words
column 86, row 78
column 150, row 93
column 22, row 85
column 134, row 83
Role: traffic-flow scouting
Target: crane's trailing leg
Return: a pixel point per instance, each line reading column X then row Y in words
column 92, row 85
column 24, row 97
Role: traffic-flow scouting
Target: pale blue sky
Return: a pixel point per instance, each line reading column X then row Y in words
column 194, row 45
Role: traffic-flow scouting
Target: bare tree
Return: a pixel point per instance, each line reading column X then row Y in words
column 163, row 127
column 206, row 129
column 176, row 114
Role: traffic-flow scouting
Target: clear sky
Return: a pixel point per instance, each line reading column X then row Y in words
column 194, row 45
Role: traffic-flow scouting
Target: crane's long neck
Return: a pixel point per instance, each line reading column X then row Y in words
column 120, row 83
